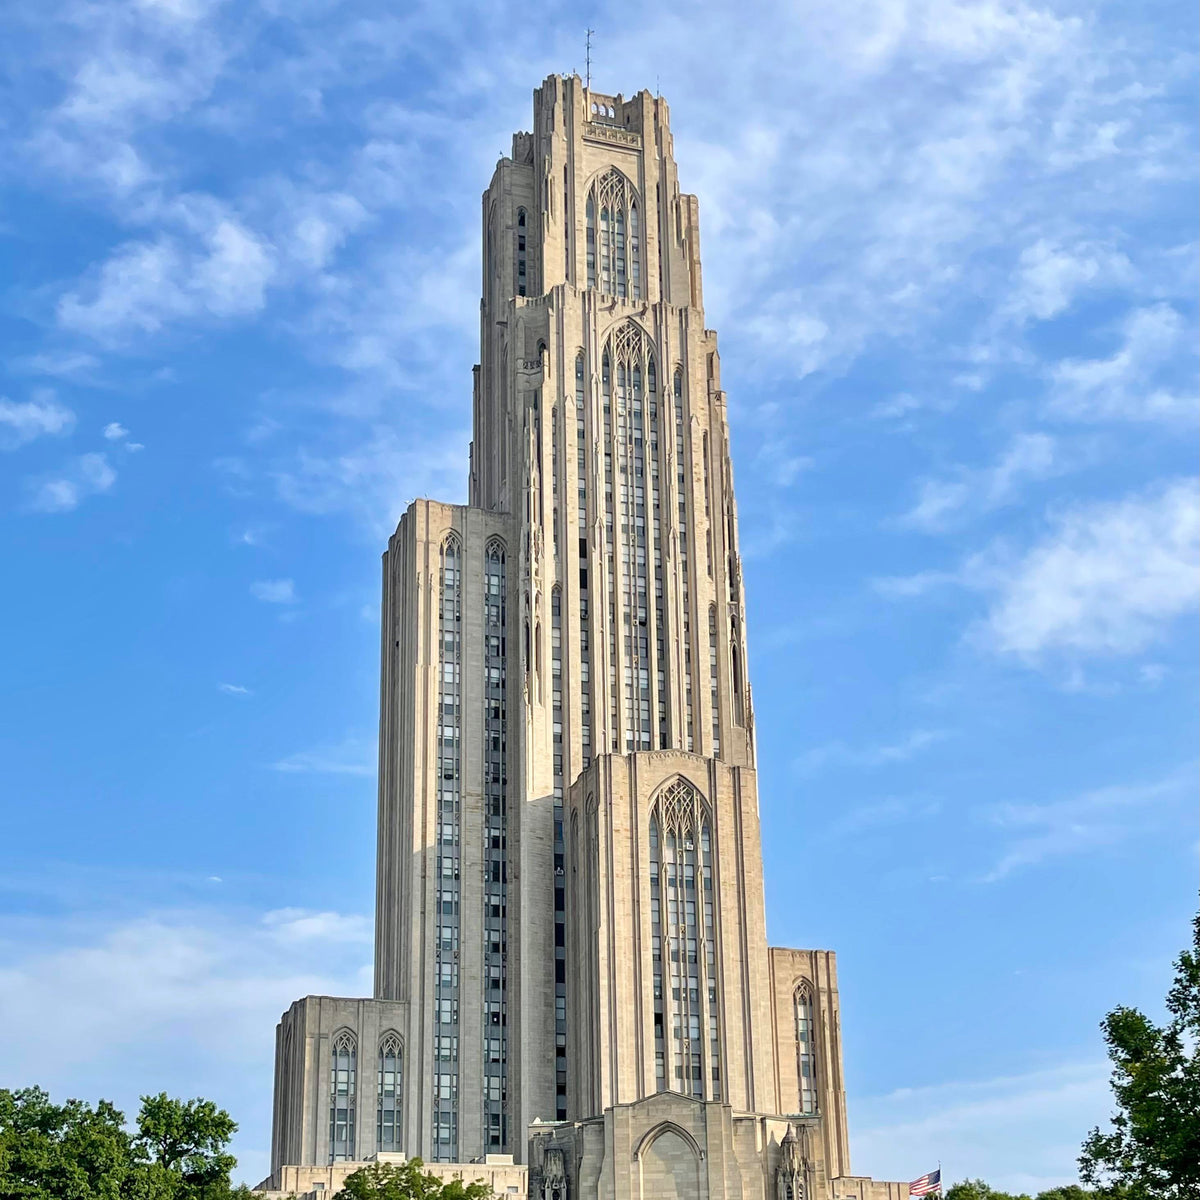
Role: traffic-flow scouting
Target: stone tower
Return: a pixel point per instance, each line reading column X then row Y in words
column 574, row 996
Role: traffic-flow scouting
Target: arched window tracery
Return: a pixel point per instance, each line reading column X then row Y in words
column 683, row 944
column 343, row 1069
column 613, row 237
column 806, row 1058
column 390, row 1081
column 634, row 560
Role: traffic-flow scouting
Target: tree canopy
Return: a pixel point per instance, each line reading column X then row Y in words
column 407, row 1181
column 1152, row 1150
column 976, row 1189
column 73, row 1151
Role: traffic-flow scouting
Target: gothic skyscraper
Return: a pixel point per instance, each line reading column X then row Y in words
column 573, row 988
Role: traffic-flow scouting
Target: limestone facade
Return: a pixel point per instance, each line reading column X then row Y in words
column 571, row 960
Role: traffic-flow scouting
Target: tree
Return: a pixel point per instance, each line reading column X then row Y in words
column 184, row 1145
column 69, row 1151
column 976, row 1189
column 1153, row 1149
column 73, row 1151
column 407, row 1181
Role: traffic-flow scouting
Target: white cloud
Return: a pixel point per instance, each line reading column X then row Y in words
column 88, row 475
column 1130, row 384
column 114, row 431
column 234, row 689
column 292, row 925
column 222, row 271
column 352, row 757
column 941, row 502
column 274, row 591
column 1097, row 819
column 883, row 754
column 971, row 1127
column 1107, row 578
column 23, row 421
column 185, row 1001
column 1049, row 276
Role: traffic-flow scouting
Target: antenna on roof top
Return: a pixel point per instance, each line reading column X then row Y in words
column 588, row 83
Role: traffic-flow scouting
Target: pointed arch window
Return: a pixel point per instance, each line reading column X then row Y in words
column 614, row 237
column 390, row 1083
column 342, row 1088
column 683, row 945
column 806, row 1058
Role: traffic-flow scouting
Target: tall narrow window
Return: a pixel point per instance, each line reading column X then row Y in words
column 736, row 682
column 683, row 945
column 448, row 882
column 495, row 850
column 635, row 262
column 806, row 1059
column 342, row 1087
column 591, row 242
column 560, row 882
column 387, row 1119
column 660, row 602
column 714, row 690
column 585, row 654
column 522, row 254
column 682, row 475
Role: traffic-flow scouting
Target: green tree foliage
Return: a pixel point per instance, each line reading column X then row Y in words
column 69, row 1152
column 976, row 1189
column 1152, row 1151
column 407, row 1181
column 73, row 1151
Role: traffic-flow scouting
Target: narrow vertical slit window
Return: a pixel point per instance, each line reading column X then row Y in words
column 681, row 489
column 522, row 253
column 448, row 882
column 496, row 1131
column 560, row 902
column 714, row 684
column 591, row 242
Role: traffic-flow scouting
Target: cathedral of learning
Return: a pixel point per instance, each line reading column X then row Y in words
column 574, row 996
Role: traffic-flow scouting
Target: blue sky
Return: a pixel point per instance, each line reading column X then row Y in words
column 950, row 247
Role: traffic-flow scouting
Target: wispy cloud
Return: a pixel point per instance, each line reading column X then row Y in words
column 1094, row 820
column 970, row 1127
column 1050, row 275
column 1107, row 578
column 883, row 814
column 114, row 431
column 351, row 757
column 944, row 502
column 23, row 421
column 234, row 689
column 1134, row 383
column 882, row 754
column 193, row 993
column 87, row 475
column 274, row 591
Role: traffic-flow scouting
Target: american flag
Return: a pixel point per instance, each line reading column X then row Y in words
column 926, row 1184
